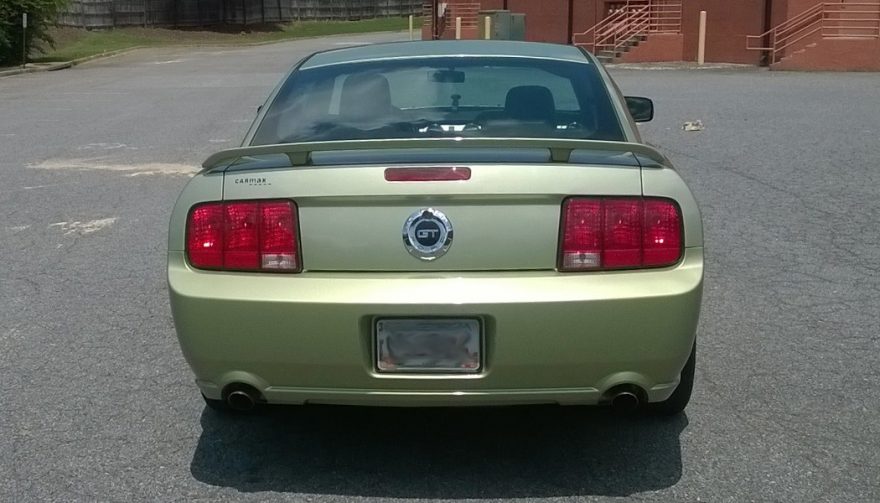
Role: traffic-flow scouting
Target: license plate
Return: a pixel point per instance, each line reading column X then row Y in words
column 428, row 345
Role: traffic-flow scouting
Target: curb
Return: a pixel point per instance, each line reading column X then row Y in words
column 683, row 66
column 37, row 67
column 61, row 65
column 50, row 67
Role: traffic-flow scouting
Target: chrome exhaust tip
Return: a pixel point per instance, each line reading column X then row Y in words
column 240, row 400
column 625, row 401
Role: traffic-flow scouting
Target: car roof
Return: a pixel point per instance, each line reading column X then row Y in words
column 446, row 48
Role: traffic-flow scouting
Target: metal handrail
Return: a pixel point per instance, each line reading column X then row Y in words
column 634, row 18
column 821, row 18
column 638, row 23
column 790, row 43
column 626, row 28
column 595, row 29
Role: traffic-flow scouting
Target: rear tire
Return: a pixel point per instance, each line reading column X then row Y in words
column 679, row 399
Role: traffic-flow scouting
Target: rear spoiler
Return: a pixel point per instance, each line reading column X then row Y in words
column 560, row 150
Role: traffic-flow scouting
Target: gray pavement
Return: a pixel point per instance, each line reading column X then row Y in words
column 97, row 404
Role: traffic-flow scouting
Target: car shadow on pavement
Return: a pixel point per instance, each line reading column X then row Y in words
column 509, row 452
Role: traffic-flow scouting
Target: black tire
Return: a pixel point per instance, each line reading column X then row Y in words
column 679, row 399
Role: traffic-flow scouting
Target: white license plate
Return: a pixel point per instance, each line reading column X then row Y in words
column 428, row 345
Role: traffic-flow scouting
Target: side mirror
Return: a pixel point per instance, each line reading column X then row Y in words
column 641, row 109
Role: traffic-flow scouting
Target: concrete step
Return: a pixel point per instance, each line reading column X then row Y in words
column 609, row 54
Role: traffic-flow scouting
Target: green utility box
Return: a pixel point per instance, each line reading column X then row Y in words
column 504, row 25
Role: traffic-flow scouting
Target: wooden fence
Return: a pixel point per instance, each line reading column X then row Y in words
column 184, row 13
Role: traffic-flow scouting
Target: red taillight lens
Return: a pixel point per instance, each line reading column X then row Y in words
column 204, row 236
column 619, row 233
column 427, row 174
column 243, row 236
column 242, row 240
column 662, row 239
column 582, row 234
column 623, row 233
column 278, row 237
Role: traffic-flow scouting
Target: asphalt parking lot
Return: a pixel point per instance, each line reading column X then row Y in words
column 97, row 404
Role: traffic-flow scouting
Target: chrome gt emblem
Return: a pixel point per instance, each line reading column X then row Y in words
column 427, row 234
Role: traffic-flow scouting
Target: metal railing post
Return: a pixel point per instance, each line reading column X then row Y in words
column 773, row 47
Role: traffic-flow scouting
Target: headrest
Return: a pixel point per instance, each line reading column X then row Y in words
column 365, row 96
column 530, row 103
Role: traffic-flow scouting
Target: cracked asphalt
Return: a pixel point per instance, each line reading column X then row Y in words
column 97, row 404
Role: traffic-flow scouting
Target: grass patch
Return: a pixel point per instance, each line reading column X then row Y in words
column 74, row 43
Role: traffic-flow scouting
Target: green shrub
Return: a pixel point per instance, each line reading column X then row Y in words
column 41, row 16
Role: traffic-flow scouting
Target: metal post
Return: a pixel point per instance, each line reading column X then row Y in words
column 458, row 28
column 23, row 40
column 488, row 28
column 701, row 48
column 411, row 36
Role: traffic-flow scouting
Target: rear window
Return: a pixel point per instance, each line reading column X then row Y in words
column 437, row 97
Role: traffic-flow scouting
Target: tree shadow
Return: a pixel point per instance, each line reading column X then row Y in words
column 235, row 28
column 500, row 453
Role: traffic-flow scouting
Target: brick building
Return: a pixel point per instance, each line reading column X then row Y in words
column 785, row 34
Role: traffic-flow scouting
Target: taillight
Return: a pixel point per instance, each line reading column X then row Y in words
column 600, row 233
column 427, row 174
column 243, row 236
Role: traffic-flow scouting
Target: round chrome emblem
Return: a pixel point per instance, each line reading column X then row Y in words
column 427, row 234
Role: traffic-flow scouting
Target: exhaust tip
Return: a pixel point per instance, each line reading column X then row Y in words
column 625, row 401
column 240, row 400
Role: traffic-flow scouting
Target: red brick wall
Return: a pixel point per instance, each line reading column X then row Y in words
column 780, row 12
column 728, row 24
column 465, row 9
column 658, row 47
column 586, row 14
column 492, row 4
column 795, row 7
column 546, row 20
column 836, row 55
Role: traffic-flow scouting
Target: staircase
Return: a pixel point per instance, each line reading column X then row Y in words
column 842, row 20
column 628, row 26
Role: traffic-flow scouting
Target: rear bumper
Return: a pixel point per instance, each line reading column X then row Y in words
column 549, row 337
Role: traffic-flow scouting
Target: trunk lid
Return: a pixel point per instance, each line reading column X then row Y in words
column 505, row 217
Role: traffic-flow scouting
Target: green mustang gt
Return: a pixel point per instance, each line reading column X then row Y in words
column 440, row 224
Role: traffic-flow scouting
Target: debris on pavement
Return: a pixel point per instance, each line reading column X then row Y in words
column 696, row 125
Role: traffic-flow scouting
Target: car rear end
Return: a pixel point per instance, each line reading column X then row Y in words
column 441, row 271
